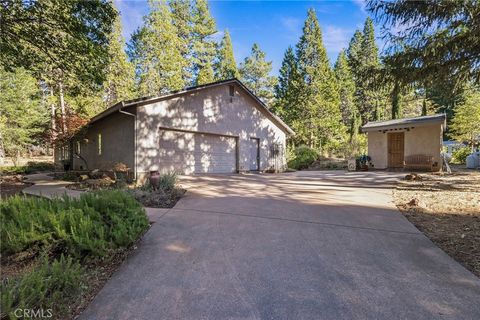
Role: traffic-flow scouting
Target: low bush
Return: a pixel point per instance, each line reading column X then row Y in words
column 164, row 194
column 460, row 156
column 30, row 167
column 303, row 157
column 89, row 226
column 46, row 288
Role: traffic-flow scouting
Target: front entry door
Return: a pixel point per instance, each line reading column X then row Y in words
column 254, row 154
column 396, row 142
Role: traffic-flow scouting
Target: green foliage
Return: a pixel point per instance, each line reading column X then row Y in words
column 459, row 156
column 120, row 74
column 285, row 95
column 162, row 195
column 22, row 117
column 318, row 117
column 303, row 157
column 466, row 122
column 202, row 44
column 89, row 226
column 30, row 167
column 226, row 66
column 48, row 35
column 48, row 286
column 440, row 42
column 255, row 74
column 156, row 51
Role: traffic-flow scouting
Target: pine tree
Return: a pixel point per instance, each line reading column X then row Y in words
column 226, row 66
column 203, row 46
column 120, row 78
column 255, row 74
column 156, row 52
column 319, row 119
column 354, row 53
column 285, row 88
column 182, row 20
column 346, row 86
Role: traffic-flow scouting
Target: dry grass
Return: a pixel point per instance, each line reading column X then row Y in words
column 446, row 207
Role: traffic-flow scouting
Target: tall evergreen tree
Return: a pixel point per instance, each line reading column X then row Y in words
column 346, row 86
column 354, row 53
column 319, row 117
column 120, row 78
column 255, row 73
column 226, row 67
column 182, row 19
column 156, row 52
column 203, row 45
column 285, row 88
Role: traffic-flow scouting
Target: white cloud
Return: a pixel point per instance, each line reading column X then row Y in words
column 336, row 38
column 362, row 4
column 290, row 23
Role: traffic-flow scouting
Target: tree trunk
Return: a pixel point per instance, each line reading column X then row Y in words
column 52, row 114
column 62, row 106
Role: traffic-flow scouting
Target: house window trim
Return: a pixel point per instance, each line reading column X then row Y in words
column 99, row 144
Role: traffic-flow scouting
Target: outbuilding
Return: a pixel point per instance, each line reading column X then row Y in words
column 411, row 143
column 220, row 127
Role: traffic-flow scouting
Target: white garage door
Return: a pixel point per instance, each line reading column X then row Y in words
column 188, row 152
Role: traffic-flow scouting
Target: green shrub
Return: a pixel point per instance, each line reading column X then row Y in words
column 164, row 195
column 460, row 156
column 89, row 226
column 168, row 181
column 30, row 167
column 303, row 157
column 45, row 287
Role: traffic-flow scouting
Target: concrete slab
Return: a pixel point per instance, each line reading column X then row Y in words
column 46, row 186
column 308, row 245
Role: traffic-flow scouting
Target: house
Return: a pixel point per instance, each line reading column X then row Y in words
column 220, row 127
column 406, row 143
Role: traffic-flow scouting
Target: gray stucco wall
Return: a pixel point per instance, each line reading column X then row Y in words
column 117, row 131
column 209, row 110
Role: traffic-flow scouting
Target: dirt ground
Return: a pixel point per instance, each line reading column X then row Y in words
column 446, row 208
column 12, row 185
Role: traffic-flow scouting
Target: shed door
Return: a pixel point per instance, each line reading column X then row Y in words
column 396, row 142
column 191, row 152
column 254, row 154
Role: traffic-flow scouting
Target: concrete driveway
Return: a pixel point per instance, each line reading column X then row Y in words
column 306, row 245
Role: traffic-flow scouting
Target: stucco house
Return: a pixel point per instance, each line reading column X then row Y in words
column 406, row 143
column 220, row 127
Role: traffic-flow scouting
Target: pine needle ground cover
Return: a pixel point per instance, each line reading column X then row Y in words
column 446, row 208
column 56, row 254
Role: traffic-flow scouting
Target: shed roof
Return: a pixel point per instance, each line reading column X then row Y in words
column 398, row 123
column 172, row 94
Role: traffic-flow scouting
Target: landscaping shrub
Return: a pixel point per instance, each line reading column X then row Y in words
column 303, row 157
column 30, row 167
column 89, row 226
column 164, row 195
column 460, row 156
column 45, row 287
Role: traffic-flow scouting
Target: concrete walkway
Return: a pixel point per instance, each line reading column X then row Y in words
column 304, row 245
column 45, row 186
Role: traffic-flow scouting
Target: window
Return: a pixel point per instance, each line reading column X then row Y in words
column 78, row 147
column 99, row 144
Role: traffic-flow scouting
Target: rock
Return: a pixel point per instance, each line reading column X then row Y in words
column 83, row 177
column 95, row 174
column 413, row 203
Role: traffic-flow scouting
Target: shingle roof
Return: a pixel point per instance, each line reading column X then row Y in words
column 151, row 99
column 376, row 125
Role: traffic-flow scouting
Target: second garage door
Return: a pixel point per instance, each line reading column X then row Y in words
column 191, row 152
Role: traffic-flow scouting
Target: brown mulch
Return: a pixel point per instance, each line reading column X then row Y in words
column 446, row 208
column 12, row 185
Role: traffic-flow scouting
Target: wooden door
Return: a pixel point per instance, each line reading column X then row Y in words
column 396, row 143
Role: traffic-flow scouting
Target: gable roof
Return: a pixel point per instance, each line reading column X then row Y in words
column 172, row 94
column 396, row 123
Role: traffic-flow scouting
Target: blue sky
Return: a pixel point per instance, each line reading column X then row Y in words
column 274, row 25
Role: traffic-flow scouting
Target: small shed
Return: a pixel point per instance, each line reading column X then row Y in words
column 412, row 143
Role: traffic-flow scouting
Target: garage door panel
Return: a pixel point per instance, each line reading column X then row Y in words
column 187, row 153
